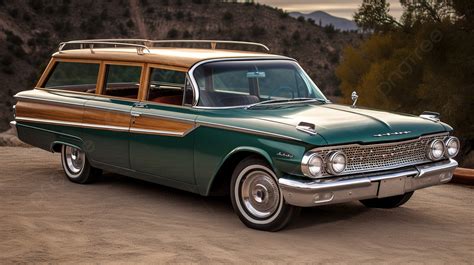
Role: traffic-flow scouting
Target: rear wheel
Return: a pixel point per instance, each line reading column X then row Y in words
column 256, row 197
column 76, row 167
column 389, row 202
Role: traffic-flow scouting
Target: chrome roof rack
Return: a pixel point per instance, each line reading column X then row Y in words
column 213, row 43
column 143, row 45
column 109, row 42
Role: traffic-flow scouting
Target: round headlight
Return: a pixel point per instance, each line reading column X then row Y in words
column 312, row 165
column 452, row 146
column 336, row 162
column 435, row 150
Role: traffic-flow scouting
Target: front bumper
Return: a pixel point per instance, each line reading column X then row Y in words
column 308, row 193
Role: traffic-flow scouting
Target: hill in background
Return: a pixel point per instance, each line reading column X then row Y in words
column 323, row 19
column 30, row 32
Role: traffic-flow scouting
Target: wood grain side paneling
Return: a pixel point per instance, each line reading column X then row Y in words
column 162, row 125
column 48, row 111
column 106, row 118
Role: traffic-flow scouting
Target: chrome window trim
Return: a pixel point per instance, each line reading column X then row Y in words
column 196, row 65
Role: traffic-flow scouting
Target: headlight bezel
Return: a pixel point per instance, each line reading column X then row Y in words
column 305, row 165
column 330, row 162
column 449, row 140
column 430, row 148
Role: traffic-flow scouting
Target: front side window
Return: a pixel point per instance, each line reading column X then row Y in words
column 241, row 83
column 79, row 77
column 122, row 81
column 166, row 86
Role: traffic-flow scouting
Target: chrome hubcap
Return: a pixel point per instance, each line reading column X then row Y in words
column 75, row 159
column 260, row 194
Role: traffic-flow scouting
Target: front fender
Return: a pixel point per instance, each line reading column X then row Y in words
column 213, row 147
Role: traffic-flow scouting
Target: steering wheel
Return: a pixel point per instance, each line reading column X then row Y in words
column 280, row 89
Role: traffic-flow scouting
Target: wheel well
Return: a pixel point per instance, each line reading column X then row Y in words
column 221, row 183
column 56, row 148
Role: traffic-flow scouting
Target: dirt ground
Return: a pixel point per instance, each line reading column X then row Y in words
column 45, row 218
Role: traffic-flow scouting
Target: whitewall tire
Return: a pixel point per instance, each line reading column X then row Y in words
column 256, row 196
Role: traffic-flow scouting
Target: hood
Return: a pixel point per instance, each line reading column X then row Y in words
column 340, row 124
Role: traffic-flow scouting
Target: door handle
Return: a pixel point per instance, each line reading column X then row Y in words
column 140, row 105
column 135, row 114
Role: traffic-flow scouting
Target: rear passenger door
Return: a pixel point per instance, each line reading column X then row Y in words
column 161, row 132
column 107, row 116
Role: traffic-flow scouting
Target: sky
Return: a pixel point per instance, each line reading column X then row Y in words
column 339, row 8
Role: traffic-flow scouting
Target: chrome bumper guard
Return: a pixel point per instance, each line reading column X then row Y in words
column 13, row 125
column 308, row 193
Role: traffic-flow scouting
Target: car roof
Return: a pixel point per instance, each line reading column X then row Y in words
column 170, row 56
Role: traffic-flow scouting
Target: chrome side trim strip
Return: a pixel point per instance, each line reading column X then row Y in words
column 50, row 101
column 159, row 132
column 108, row 108
column 244, row 130
column 73, row 124
column 166, row 117
column 104, row 127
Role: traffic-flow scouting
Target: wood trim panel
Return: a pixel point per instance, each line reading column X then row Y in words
column 158, row 125
column 39, row 110
column 45, row 73
column 168, row 67
column 106, row 118
column 126, row 63
column 77, row 60
column 100, row 79
column 144, row 81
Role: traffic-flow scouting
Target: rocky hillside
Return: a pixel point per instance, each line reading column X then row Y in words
column 323, row 19
column 30, row 31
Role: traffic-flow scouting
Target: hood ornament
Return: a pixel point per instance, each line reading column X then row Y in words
column 354, row 98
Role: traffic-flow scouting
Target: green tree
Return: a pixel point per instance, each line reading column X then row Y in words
column 424, row 62
column 374, row 15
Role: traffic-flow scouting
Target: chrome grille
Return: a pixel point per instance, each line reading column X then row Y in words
column 376, row 157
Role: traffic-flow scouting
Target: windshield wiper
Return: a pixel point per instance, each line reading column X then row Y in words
column 285, row 101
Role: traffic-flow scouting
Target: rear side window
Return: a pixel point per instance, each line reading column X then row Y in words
column 123, row 81
column 166, row 86
column 79, row 77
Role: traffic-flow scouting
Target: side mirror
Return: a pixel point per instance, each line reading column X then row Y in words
column 354, row 98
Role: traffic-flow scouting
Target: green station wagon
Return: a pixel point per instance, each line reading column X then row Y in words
column 216, row 121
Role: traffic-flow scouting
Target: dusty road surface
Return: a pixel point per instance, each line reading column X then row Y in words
column 45, row 218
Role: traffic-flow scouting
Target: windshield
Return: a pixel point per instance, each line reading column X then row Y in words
column 243, row 83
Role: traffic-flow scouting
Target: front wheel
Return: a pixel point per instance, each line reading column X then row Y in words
column 76, row 167
column 256, row 197
column 389, row 202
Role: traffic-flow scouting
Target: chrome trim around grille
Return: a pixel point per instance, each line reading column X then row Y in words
column 383, row 156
